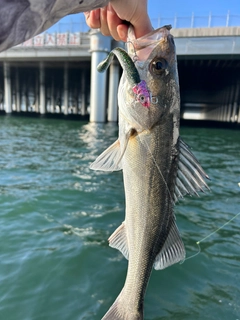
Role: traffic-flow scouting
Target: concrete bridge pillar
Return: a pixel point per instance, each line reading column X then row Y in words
column 238, row 116
column 83, row 93
column 17, row 88
column 219, row 113
column 114, row 73
column 52, row 99
column 99, row 47
column 113, row 92
column 225, row 113
column 235, row 104
column 234, row 112
column 7, row 88
column 230, row 106
column 222, row 113
column 65, row 88
column 225, row 106
column 229, row 112
column 42, row 91
column 36, row 102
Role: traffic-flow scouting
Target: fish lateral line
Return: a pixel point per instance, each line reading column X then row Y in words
column 208, row 236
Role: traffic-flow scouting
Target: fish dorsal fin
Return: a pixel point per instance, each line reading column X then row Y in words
column 172, row 251
column 110, row 159
column 190, row 175
column 118, row 240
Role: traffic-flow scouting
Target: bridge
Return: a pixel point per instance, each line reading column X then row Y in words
column 55, row 73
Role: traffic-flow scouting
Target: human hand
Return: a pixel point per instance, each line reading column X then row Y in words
column 114, row 18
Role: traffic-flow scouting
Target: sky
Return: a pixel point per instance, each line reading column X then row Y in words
column 200, row 9
column 186, row 7
column 179, row 13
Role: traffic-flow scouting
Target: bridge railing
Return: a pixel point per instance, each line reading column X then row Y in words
column 197, row 21
column 77, row 22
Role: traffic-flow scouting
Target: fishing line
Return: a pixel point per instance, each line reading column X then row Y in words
column 159, row 170
column 208, row 236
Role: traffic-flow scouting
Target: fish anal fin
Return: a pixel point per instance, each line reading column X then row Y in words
column 173, row 250
column 118, row 240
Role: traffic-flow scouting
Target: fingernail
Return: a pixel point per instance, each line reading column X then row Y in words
column 122, row 34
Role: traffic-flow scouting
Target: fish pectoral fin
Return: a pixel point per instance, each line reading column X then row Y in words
column 110, row 159
column 190, row 176
column 118, row 240
column 173, row 250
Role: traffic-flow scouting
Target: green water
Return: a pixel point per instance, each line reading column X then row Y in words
column 56, row 216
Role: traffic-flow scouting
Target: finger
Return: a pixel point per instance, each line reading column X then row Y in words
column 113, row 22
column 93, row 18
column 104, row 23
column 122, row 30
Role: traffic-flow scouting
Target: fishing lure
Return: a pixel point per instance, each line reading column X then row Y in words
column 139, row 86
column 142, row 93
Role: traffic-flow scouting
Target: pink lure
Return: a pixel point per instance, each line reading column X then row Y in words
column 142, row 93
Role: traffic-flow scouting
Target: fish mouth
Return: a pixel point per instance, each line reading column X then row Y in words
column 139, row 49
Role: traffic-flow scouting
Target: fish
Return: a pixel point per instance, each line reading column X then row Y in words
column 158, row 167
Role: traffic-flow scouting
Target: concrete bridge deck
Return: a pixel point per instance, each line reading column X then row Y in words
column 209, row 72
column 61, row 46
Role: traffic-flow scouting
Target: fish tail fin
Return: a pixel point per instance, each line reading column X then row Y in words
column 120, row 310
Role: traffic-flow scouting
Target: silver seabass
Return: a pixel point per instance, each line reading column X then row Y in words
column 158, row 168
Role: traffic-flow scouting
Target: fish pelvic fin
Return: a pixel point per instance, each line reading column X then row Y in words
column 121, row 311
column 190, row 175
column 173, row 250
column 110, row 159
column 118, row 240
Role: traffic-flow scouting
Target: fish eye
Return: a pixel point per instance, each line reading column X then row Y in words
column 158, row 65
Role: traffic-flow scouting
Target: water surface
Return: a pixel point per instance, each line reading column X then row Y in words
column 56, row 215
